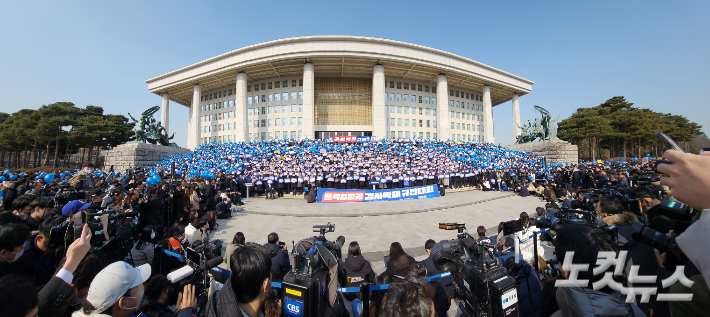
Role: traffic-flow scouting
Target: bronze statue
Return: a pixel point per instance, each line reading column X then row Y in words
column 150, row 131
column 544, row 128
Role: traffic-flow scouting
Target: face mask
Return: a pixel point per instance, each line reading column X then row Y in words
column 130, row 308
column 78, row 301
column 152, row 235
column 17, row 256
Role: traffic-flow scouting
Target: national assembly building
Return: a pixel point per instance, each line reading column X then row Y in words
column 317, row 87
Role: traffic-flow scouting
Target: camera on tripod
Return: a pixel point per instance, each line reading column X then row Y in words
column 308, row 289
column 197, row 272
column 484, row 286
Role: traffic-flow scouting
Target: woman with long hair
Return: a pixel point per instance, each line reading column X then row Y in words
column 398, row 261
column 238, row 241
column 144, row 250
column 357, row 270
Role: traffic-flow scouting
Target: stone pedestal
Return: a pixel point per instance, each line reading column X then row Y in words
column 556, row 151
column 138, row 154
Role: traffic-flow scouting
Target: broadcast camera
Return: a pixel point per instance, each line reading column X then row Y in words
column 484, row 286
column 197, row 271
column 67, row 193
column 557, row 218
column 308, row 289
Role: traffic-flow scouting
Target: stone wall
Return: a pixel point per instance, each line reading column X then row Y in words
column 138, row 154
column 556, row 151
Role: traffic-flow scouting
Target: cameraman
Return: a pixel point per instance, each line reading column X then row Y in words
column 245, row 292
column 84, row 176
column 280, row 264
column 154, row 209
column 96, row 197
column 38, row 262
column 40, row 209
column 12, row 239
column 586, row 242
column 651, row 206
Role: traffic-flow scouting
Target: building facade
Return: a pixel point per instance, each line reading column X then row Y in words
column 319, row 86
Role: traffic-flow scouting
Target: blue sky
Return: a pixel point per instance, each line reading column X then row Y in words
column 578, row 53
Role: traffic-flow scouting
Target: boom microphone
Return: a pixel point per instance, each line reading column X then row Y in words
column 180, row 274
column 214, row 262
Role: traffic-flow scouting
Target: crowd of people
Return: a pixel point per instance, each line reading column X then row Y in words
column 40, row 277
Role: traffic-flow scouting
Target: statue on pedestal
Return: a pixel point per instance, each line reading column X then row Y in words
column 150, row 131
column 544, row 128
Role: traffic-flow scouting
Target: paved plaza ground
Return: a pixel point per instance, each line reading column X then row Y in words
column 375, row 225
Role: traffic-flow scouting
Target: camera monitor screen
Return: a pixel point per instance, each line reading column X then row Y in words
column 192, row 255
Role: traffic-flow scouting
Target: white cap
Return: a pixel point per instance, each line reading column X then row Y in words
column 113, row 282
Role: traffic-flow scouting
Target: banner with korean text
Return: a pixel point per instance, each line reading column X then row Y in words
column 328, row 195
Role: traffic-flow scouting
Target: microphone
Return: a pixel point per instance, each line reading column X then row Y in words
column 214, row 262
column 180, row 274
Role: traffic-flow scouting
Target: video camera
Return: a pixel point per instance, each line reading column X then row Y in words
column 197, row 272
column 557, row 218
column 483, row 285
column 307, row 288
column 67, row 193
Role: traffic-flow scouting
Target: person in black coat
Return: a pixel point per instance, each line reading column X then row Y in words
column 223, row 210
column 446, row 282
column 38, row 262
column 398, row 261
column 10, row 195
column 209, row 196
column 357, row 270
column 280, row 263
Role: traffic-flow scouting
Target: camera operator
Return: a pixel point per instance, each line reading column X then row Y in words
column 280, row 263
column 528, row 286
column 12, row 239
column 116, row 291
column 38, row 262
column 40, row 209
column 96, row 197
column 66, row 290
column 446, row 282
column 154, row 209
column 158, row 291
column 245, row 292
column 650, row 205
column 586, row 242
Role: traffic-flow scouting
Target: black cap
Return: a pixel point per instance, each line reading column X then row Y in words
column 97, row 192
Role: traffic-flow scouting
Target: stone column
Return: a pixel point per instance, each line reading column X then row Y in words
column 443, row 124
column 379, row 128
column 240, row 109
column 165, row 113
column 488, row 116
column 516, row 117
column 308, row 102
column 193, row 126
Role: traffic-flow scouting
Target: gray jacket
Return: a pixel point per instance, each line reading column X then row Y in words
column 586, row 302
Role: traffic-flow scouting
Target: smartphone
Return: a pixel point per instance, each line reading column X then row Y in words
column 668, row 141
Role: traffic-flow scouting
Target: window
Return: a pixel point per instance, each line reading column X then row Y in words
column 406, row 134
column 434, row 114
column 391, row 84
column 277, row 97
column 433, row 89
column 399, row 122
column 285, row 109
column 452, row 114
column 399, row 97
column 231, row 103
column 300, row 95
column 270, row 109
column 285, row 85
column 406, row 110
column 468, row 127
column 458, row 105
column 467, row 96
column 249, row 112
column 263, row 98
column 263, row 86
column 202, row 108
column 434, row 133
column 428, row 135
column 293, row 108
column 300, row 83
column 293, row 120
column 451, row 103
column 285, row 96
column 210, row 96
column 457, row 94
column 269, row 85
column 229, row 126
column 300, row 120
column 433, row 101
column 271, row 122
column 458, row 115
column 419, row 87
column 399, row 109
column 278, row 134
column 420, row 123
column 421, row 135
column 414, row 98
column 453, row 125
column 451, row 93
column 293, row 83
column 391, row 122
column 263, row 122
column 256, row 99
column 277, row 122
column 400, row 134
column 293, row 134
column 406, row 122
column 277, row 109
column 426, row 88
column 391, row 109
column 406, row 98
column 277, row 84
column 427, row 111
column 428, row 124
column 399, row 85
column 421, row 111
column 284, row 122
column 202, row 98
column 406, row 85
column 300, row 108
column 458, row 126
column 263, row 110
column 293, row 95
column 391, row 97
column 426, row 100
column 249, row 88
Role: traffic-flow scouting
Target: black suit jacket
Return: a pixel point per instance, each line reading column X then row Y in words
column 53, row 298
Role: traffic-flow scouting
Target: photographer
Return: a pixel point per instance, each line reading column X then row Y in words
column 38, row 262
column 12, row 239
column 245, row 292
column 586, row 242
column 96, row 197
column 650, row 205
column 67, row 289
column 40, row 210
column 83, row 176
column 280, row 263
